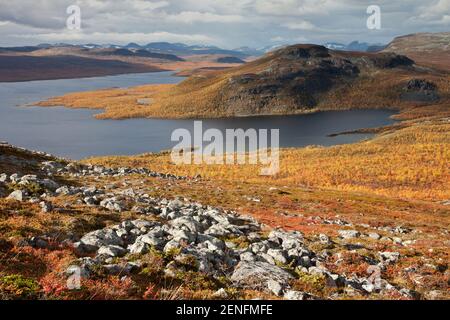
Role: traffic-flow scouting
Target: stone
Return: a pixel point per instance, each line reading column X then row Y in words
column 256, row 274
column 374, row 236
column 186, row 223
column 349, row 234
column 275, row 287
column 295, row 295
column 90, row 201
column 14, row 178
column 139, row 248
column 112, row 251
column 172, row 244
column 389, row 257
column 139, row 224
column 324, row 239
column 247, row 256
column 175, row 204
column 279, row 255
column 220, row 294
column 112, row 204
column 3, row 177
column 64, row 190
column 46, row 207
column 179, row 235
column 152, row 240
column 49, row 184
column 17, row 195
column 99, row 238
column 267, row 258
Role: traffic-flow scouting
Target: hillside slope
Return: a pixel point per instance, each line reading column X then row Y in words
column 14, row 68
column 430, row 49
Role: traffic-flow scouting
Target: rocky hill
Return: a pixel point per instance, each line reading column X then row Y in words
column 301, row 79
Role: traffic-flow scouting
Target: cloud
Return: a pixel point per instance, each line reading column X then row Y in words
column 302, row 25
column 204, row 17
column 229, row 23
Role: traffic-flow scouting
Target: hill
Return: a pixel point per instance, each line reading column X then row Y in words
column 430, row 49
column 15, row 68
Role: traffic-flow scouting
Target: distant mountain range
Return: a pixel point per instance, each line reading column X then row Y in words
column 355, row 46
column 172, row 51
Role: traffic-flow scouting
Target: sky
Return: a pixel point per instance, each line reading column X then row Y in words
column 224, row 23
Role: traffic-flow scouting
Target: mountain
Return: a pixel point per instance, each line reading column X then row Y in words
column 430, row 49
column 230, row 60
column 335, row 46
column 355, row 46
column 27, row 68
column 174, row 49
column 142, row 53
column 300, row 79
column 181, row 49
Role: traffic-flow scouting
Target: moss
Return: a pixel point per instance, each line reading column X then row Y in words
column 32, row 188
column 239, row 242
column 313, row 284
column 198, row 281
column 188, row 262
column 172, row 253
column 16, row 286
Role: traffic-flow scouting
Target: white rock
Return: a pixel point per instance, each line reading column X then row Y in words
column 17, row 195
column 255, row 275
column 275, row 287
column 295, row 295
column 349, row 234
column 112, row 251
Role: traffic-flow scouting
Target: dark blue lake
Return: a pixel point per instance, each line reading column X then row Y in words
column 76, row 134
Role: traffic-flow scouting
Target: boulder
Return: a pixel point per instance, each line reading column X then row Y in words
column 112, row 251
column 112, row 204
column 3, row 178
column 46, row 207
column 389, row 257
column 17, row 195
column 420, row 90
column 295, row 295
column 220, row 294
column 279, row 255
column 139, row 247
column 186, row 223
column 255, row 275
column 275, row 287
column 99, row 238
column 349, row 234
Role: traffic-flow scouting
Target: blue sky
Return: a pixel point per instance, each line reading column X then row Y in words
column 225, row 23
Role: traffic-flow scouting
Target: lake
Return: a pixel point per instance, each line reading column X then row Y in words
column 75, row 134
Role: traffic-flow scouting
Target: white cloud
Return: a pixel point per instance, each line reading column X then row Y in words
column 204, row 17
column 302, row 25
column 229, row 23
